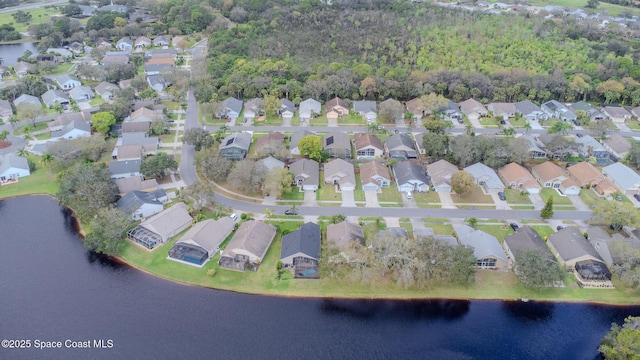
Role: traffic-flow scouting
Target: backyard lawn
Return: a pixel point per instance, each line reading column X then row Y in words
column 41, row 181
column 473, row 196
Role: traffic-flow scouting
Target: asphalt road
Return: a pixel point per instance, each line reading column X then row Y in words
column 32, row 5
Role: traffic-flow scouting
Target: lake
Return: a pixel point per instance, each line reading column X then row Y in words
column 11, row 52
column 53, row 290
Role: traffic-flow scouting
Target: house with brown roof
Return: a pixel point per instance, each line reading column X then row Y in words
column 248, row 246
column 617, row 145
column 274, row 137
column 343, row 235
column 416, row 108
column 587, row 175
column 134, row 127
column 144, row 115
column 367, row 146
column 504, row 110
column 128, row 152
column 336, row 108
column 138, row 183
column 550, row 175
column 617, row 114
column 473, row 109
column 440, row 173
column 161, row 61
column 341, row 174
column 374, row 176
column 517, row 177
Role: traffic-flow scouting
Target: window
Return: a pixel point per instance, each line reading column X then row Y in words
column 486, row 263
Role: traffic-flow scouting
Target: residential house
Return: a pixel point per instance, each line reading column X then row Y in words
column 309, row 108
column 13, row 167
column 530, row 111
column 606, row 244
column 627, row 180
column 22, row 68
column 367, row 146
column 163, row 59
column 135, row 127
column 248, row 246
column 416, row 108
column 128, row 152
column 271, row 163
column 419, row 141
column 337, row 145
column 336, row 108
column 536, row 150
column 590, row 147
column 103, row 43
column 156, row 69
column 126, row 168
column 588, row 176
column 295, row 138
column 124, row 44
column 341, row 174
column 106, row 90
column 517, row 177
column 231, row 109
column 115, row 59
column 81, row 93
column 114, row 8
column 473, row 109
column 135, row 183
column 550, row 175
column 202, row 241
column 301, row 251
column 73, row 130
column 570, row 246
column 504, row 110
column 65, row 118
column 161, row 227
column 235, row 146
column 617, row 145
column 451, row 112
column 374, row 176
column 76, row 47
column 591, row 111
column 149, row 143
column 410, row 177
column 617, row 114
column 144, row 114
column 486, row 248
column 4, row 71
column 545, row 140
column 138, row 204
column 305, row 174
column 344, row 234
column 440, row 173
column 557, row 110
column 52, row 97
column 87, row 10
column 161, row 40
column 142, row 42
column 253, row 108
column 268, row 140
column 6, row 111
column 367, row 109
column 401, row 147
column 157, row 83
column 62, row 52
column 485, row 177
column 287, row 109
column 522, row 241
column 636, row 112
column 26, row 99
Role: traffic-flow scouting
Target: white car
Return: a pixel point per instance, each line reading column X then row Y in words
column 409, row 195
column 234, row 216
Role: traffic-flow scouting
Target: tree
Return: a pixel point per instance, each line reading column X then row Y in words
column 159, row 126
column 560, row 147
column 622, row 342
column 247, row 176
column 600, row 129
column 592, row 4
column 3, row 135
column 66, row 152
column 102, row 121
column 273, row 148
column 560, row 127
column 277, row 181
column 462, row 182
column 107, row 231
column 519, row 149
column 21, row 17
column 537, row 269
column 617, row 214
column 311, row 146
column 390, row 111
column 200, row 138
column 268, row 213
column 473, row 222
column 46, row 160
column 200, row 195
column 29, row 112
column 547, row 210
column 436, row 125
column 158, row 165
column 213, row 166
column 86, row 189
column 435, row 145
column 433, row 102
column 271, row 105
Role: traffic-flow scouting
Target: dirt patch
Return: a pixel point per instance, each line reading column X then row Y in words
column 4, row 144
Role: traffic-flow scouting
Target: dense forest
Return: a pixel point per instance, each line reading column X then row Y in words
column 401, row 49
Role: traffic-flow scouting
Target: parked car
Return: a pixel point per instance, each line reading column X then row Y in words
column 502, row 122
column 636, row 196
column 291, row 211
column 514, row 226
column 579, row 135
column 576, row 122
column 409, row 195
column 234, row 216
column 502, row 196
column 617, row 197
column 559, row 227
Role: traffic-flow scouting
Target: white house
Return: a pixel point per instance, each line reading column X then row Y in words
column 13, row 167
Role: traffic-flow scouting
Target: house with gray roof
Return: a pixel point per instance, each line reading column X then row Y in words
column 142, row 42
column 570, row 246
column 22, row 68
column 486, row 248
column 160, row 40
column 451, row 112
column 81, row 93
column 558, row 110
column 410, row 177
column 66, row 81
column 231, row 109
column 617, row 145
column 87, row 10
column 248, row 246
column 149, row 143
column 374, row 176
column 590, row 147
column 124, row 44
column 295, row 138
column 235, row 146
column 126, row 168
column 72, row 130
column 13, row 167
column 530, row 111
column 26, row 99
column 114, row 8
column 301, row 251
column 287, row 109
column 139, row 204
column 340, row 173
column 486, row 178
column 420, row 233
column 525, row 239
column 305, row 174
column 161, row 227
column 53, row 97
column 156, row 69
column 115, row 59
column 591, row 111
column 5, row 110
column 106, row 90
column 128, row 152
column 617, row 114
column 367, row 109
column 440, row 173
column 253, row 108
column 343, row 235
column 401, row 147
column 202, row 241
column 337, row 145
column 60, row 51
column 624, row 178
column 536, row 149
column 309, row 108
column 271, row 163
column 473, row 109
column 157, row 82
column 135, row 183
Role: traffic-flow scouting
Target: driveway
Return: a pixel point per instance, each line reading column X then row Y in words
column 309, row 198
column 578, row 203
column 332, row 122
column 371, row 199
column 475, row 123
column 286, row 121
column 537, row 201
column 408, row 203
column 348, row 198
column 500, row 204
column 446, row 200
column 400, row 123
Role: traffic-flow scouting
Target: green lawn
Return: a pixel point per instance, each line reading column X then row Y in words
column 38, row 16
column 352, row 119
column 327, row 191
column 96, row 101
column 269, row 120
column 41, row 181
column 589, row 197
column 499, row 231
column 518, row 122
column 61, row 69
column 169, row 137
column 514, row 197
column 30, row 128
column 358, row 194
column 422, row 197
column 45, row 136
column 390, row 194
column 475, row 195
column 318, row 121
column 543, row 230
column 488, row 122
column 294, row 194
column 557, row 199
column 634, row 125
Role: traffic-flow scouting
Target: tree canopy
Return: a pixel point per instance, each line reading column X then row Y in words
column 537, row 269
column 311, row 146
column 198, row 137
column 622, row 342
column 102, row 121
column 617, row 214
column 158, row 165
column 107, row 231
column 86, row 189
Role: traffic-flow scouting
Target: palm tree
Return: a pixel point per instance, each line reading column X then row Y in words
column 526, row 127
column 22, row 152
column 468, row 129
column 372, row 127
column 560, row 127
column 268, row 213
column 46, row 160
column 509, row 132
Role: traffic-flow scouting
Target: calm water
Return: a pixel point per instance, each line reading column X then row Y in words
column 51, row 289
column 11, row 52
